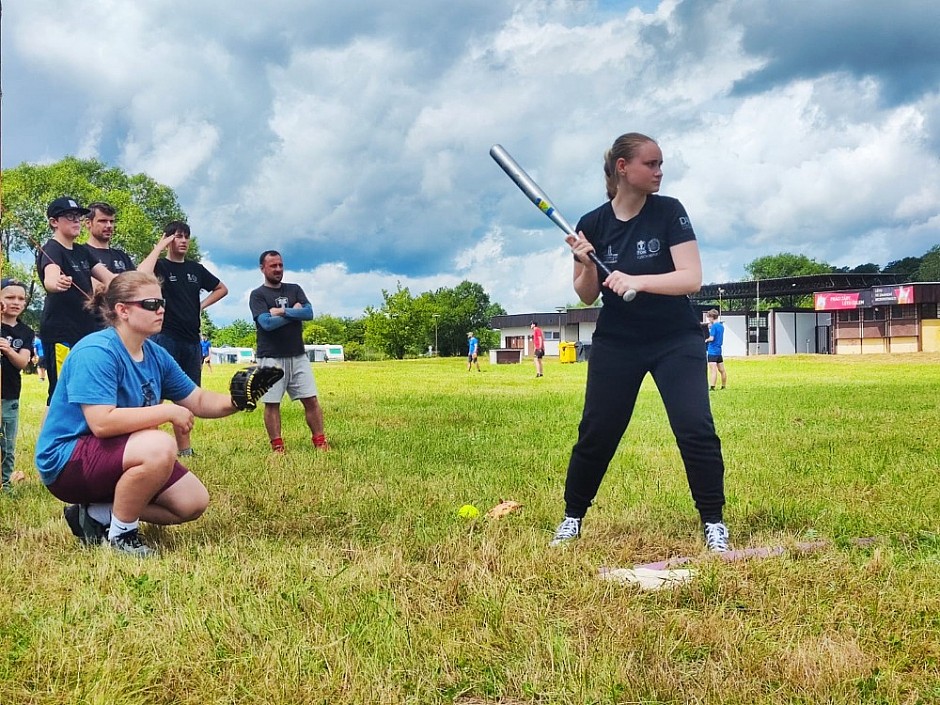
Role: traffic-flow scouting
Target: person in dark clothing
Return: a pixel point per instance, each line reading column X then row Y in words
column 66, row 270
column 648, row 242
column 182, row 282
column 279, row 310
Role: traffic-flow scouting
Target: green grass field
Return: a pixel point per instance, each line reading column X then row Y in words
column 348, row 577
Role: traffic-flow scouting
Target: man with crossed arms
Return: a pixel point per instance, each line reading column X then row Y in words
column 279, row 310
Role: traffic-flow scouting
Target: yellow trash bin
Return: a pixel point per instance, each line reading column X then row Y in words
column 566, row 352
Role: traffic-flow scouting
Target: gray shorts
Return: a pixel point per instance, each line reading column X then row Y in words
column 297, row 381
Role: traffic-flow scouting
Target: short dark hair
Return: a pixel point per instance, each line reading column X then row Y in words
column 176, row 226
column 267, row 253
column 105, row 208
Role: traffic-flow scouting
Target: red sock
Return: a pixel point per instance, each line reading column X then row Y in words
column 319, row 441
column 277, row 445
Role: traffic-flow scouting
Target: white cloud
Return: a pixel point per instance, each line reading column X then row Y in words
column 354, row 137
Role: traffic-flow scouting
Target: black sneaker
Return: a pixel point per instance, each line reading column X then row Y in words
column 70, row 512
column 129, row 542
column 83, row 526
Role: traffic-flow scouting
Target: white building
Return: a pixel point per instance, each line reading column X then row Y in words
column 775, row 332
column 232, row 356
column 324, row 353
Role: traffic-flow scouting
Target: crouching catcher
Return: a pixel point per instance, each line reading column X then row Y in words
column 101, row 449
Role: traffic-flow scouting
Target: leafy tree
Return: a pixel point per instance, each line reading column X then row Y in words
column 929, row 269
column 325, row 329
column 143, row 205
column 405, row 326
column 207, row 326
column 466, row 307
column 395, row 327
column 785, row 264
column 238, row 334
column 906, row 267
column 780, row 266
column 868, row 268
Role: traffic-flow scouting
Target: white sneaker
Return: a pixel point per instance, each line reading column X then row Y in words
column 716, row 537
column 569, row 529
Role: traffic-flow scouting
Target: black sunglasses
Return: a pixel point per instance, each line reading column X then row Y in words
column 149, row 304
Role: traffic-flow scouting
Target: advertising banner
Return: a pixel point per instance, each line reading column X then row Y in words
column 840, row 300
column 891, row 295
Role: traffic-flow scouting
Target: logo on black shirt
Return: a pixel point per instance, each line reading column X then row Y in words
column 647, row 249
column 610, row 257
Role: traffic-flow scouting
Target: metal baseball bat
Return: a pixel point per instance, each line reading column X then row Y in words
column 538, row 197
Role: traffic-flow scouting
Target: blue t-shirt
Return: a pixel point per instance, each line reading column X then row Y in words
column 474, row 343
column 100, row 371
column 717, row 332
column 205, row 345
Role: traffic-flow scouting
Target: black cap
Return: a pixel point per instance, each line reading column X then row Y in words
column 63, row 204
column 10, row 281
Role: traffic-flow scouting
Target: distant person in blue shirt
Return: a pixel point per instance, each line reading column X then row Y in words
column 206, row 346
column 473, row 346
column 40, row 359
column 714, row 341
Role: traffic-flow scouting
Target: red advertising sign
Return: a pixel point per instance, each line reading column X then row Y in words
column 837, row 300
column 891, row 295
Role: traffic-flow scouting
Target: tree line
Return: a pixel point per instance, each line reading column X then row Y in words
column 404, row 325
column 925, row 268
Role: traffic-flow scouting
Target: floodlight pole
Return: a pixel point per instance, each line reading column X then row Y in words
column 757, row 322
column 436, row 316
column 561, row 310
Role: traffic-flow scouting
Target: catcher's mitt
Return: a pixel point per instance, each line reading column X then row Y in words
column 249, row 385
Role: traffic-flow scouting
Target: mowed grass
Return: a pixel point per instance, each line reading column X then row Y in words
column 348, row 577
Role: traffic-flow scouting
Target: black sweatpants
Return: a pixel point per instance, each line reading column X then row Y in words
column 615, row 372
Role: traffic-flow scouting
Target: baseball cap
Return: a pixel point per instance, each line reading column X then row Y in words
column 10, row 281
column 64, row 204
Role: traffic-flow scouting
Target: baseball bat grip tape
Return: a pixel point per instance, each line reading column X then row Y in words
column 629, row 294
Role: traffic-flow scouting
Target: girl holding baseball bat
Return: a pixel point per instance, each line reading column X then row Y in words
column 649, row 244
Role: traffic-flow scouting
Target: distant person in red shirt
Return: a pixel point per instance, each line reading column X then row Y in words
column 538, row 347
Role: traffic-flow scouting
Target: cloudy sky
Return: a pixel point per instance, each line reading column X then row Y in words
column 355, row 137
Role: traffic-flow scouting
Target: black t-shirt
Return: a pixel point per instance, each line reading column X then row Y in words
column 641, row 246
column 64, row 316
column 288, row 340
column 182, row 283
column 115, row 259
column 20, row 337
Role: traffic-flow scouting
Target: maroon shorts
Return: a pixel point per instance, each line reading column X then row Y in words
column 93, row 471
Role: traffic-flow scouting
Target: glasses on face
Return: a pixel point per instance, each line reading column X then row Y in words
column 148, row 304
column 72, row 216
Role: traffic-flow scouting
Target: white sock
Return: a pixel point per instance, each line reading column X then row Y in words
column 100, row 513
column 119, row 527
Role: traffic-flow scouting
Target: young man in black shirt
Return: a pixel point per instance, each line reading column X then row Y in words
column 182, row 283
column 66, row 270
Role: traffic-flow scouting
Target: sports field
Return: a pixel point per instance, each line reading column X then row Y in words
column 348, row 577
